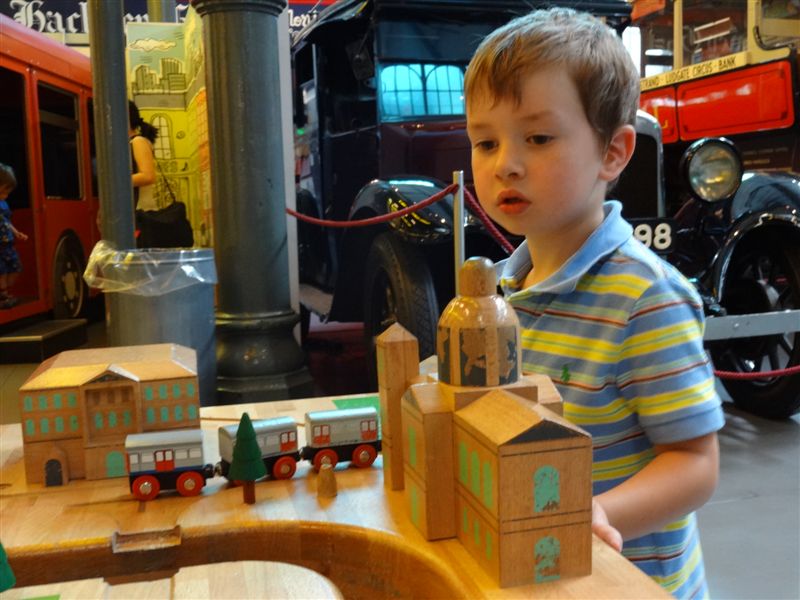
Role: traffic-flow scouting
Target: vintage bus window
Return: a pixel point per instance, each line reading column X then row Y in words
column 713, row 28
column 13, row 148
column 59, row 131
column 656, row 42
column 780, row 23
column 418, row 90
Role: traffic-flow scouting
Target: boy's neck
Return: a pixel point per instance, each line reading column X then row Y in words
column 549, row 252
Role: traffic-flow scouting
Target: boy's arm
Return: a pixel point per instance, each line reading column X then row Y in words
column 680, row 479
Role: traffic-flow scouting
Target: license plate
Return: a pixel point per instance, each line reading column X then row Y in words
column 656, row 234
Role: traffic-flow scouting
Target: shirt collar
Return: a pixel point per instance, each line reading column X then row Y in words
column 604, row 240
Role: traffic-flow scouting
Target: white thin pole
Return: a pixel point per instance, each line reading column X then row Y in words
column 458, row 225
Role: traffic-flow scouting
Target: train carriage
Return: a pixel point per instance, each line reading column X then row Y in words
column 277, row 440
column 337, row 435
column 166, row 460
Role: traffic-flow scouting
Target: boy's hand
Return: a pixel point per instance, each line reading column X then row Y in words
column 602, row 529
column 22, row 236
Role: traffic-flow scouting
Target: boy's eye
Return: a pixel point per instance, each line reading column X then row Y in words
column 484, row 145
column 540, row 139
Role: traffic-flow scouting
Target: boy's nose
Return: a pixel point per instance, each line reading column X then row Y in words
column 509, row 165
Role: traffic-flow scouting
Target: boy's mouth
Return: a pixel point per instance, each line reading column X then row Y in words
column 511, row 202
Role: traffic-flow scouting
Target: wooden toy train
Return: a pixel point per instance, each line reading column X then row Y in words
column 174, row 460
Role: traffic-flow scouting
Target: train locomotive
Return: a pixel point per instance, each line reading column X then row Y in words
column 174, row 459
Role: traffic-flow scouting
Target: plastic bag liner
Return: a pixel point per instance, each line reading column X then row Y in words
column 148, row 271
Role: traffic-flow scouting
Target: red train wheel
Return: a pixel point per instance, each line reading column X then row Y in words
column 145, row 487
column 324, row 455
column 284, row 468
column 364, row 455
column 190, row 483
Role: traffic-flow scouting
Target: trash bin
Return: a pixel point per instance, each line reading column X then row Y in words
column 158, row 295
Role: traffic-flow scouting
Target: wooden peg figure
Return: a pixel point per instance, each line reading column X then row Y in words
column 326, row 481
column 478, row 337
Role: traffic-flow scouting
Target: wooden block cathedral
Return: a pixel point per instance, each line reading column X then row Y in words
column 483, row 454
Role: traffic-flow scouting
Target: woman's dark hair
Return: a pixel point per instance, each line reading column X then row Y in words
column 137, row 122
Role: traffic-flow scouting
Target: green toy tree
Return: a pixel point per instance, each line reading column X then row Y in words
column 7, row 579
column 247, row 465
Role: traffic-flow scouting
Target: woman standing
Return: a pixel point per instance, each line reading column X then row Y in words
column 142, row 135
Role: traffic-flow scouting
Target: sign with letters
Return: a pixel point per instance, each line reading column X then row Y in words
column 68, row 20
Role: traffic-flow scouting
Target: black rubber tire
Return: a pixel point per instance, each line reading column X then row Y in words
column 773, row 266
column 398, row 287
column 68, row 287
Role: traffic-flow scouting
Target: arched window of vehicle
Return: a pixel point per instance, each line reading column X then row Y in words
column 417, row 90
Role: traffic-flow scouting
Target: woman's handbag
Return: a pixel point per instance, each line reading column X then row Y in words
column 167, row 227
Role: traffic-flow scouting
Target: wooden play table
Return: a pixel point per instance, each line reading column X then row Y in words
column 361, row 540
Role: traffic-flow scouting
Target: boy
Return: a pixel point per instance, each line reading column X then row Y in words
column 551, row 101
column 10, row 265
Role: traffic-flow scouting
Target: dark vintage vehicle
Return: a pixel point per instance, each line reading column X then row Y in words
column 380, row 126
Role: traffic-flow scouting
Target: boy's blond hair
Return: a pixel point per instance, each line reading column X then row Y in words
column 7, row 178
column 590, row 51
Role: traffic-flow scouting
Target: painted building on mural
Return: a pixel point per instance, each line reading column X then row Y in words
column 77, row 407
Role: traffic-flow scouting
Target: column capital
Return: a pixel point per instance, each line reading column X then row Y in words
column 272, row 7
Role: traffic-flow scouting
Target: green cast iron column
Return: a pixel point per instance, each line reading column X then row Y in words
column 257, row 355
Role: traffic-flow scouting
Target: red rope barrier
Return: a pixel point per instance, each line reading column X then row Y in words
column 759, row 374
column 487, row 222
column 379, row 219
column 507, row 246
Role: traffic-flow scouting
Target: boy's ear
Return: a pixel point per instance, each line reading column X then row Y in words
column 618, row 152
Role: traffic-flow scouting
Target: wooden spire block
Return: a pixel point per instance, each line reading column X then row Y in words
column 397, row 355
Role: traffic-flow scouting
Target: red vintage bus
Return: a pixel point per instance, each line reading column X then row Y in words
column 47, row 133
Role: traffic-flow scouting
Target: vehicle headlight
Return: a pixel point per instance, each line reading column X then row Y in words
column 712, row 169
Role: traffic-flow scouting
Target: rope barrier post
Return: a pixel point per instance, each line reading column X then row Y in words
column 458, row 225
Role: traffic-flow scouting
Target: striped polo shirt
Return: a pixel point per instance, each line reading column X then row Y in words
column 619, row 331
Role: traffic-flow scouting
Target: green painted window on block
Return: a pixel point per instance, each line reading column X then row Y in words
column 112, row 419
column 42, row 402
column 59, row 424
column 487, row 482
column 73, row 423
column 30, row 427
column 464, row 520
column 164, row 414
column 126, row 418
column 98, row 420
column 178, row 413
column 414, row 500
column 72, row 401
column 412, row 446
column 27, row 403
column 56, row 400
column 176, row 390
column 191, row 411
column 463, row 468
column 162, row 391
column 190, row 390
column 148, row 393
column 489, row 544
column 475, row 474
column 151, row 415
column 44, row 425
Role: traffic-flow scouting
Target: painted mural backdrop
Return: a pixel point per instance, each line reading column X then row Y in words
column 166, row 80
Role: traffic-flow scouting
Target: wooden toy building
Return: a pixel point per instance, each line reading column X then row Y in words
column 481, row 451
column 78, row 406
